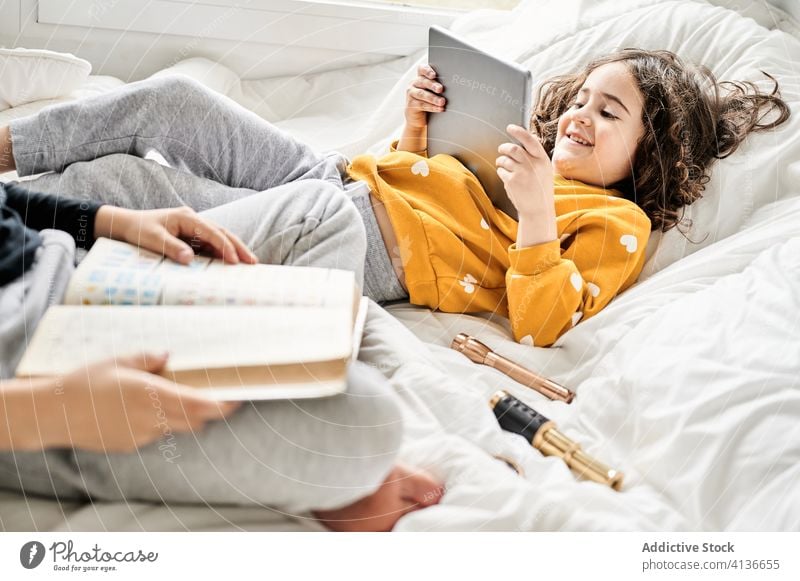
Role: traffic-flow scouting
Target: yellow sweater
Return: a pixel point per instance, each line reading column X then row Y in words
column 459, row 251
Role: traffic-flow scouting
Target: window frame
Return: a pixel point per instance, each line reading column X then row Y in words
column 344, row 25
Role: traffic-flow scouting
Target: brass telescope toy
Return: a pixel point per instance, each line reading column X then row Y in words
column 515, row 416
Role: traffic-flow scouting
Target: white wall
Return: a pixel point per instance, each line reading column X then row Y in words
column 129, row 39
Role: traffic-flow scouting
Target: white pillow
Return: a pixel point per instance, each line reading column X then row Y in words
column 28, row 75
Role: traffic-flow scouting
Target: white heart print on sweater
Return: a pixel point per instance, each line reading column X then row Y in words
column 484, row 224
column 421, row 168
column 468, row 283
column 576, row 281
column 630, row 243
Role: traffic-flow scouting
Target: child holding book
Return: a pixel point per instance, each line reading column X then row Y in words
column 116, row 430
column 619, row 149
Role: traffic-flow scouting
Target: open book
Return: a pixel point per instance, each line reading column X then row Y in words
column 297, row 332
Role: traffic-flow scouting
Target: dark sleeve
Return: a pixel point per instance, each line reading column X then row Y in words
column 40, row 211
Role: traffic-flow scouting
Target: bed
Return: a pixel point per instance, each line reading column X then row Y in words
column 687, row 382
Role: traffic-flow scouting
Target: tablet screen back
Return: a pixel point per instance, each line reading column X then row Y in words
column 484, row 94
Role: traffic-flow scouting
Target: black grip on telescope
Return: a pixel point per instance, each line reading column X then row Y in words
column 515, row 416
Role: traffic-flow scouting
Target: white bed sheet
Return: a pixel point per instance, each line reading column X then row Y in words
column 688, row 382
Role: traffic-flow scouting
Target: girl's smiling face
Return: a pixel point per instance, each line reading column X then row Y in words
column 606, row 114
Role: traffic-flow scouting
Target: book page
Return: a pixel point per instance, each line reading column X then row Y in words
column 115, row 273
column 263, row 284
column 197, row 338
column 118, row 273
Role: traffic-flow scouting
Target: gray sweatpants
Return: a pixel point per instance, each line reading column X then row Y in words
column 285, row 202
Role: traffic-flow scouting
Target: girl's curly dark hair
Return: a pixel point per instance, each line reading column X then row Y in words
column 688, row 124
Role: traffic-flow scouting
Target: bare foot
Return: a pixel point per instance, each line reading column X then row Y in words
column 404, row 490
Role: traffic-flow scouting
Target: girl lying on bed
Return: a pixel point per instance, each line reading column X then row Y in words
column 620, row 148
column 117, row 431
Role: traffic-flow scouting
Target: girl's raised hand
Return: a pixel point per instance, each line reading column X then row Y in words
column 174, row 232
column 527, row 174
column 423, row 97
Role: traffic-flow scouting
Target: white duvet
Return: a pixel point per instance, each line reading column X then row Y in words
column 687, row 382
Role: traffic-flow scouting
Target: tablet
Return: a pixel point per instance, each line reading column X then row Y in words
column 484, row 95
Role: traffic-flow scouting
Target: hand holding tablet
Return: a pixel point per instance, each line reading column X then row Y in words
column 526, row 172
column 483, row 95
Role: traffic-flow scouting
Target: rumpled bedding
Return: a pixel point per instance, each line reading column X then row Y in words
column 687, row 382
